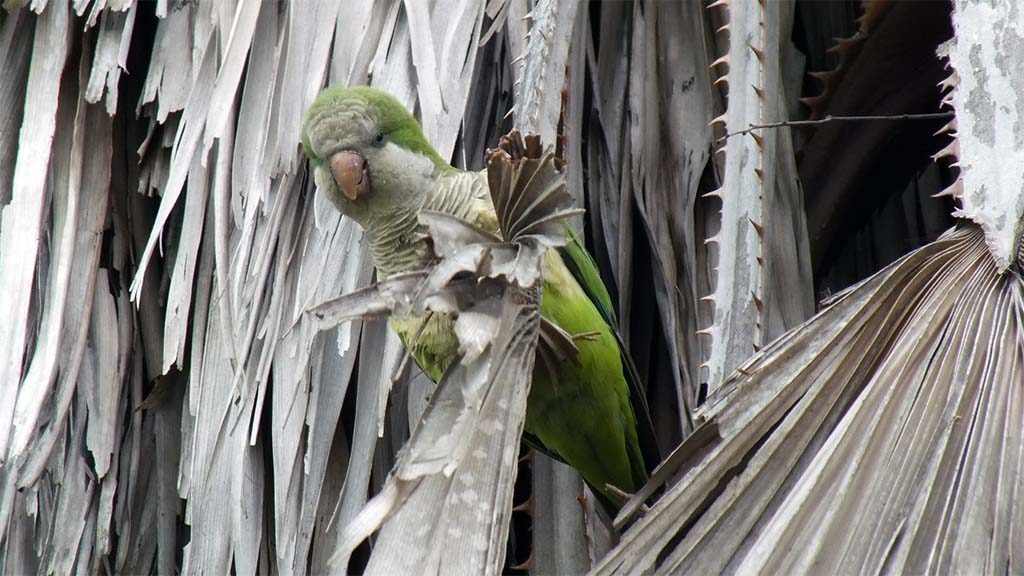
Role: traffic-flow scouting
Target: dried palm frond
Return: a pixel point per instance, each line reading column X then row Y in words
column 883, row 434
column 763, row 282
column 887, row 433
column 985, row 94
column 210, row 426
column 848, row 170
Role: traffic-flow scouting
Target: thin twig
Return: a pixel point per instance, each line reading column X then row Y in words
column 827, row 119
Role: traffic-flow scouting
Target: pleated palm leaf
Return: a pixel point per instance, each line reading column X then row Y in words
column 885, row 434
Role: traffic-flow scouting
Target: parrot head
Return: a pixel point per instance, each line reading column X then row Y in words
column 368, row 153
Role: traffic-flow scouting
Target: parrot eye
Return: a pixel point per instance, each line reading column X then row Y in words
column 379, row 138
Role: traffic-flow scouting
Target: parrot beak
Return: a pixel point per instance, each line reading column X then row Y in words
column 349, row 170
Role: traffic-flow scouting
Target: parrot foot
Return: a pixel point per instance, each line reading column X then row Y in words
column 397, row 375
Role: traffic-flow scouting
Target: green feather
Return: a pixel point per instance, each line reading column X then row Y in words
column 583, row 268
column 584, row 414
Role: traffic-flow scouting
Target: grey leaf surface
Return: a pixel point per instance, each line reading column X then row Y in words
column 855, row 442
column 759, row 243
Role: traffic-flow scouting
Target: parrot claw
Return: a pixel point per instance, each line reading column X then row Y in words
column 618, row 492
column 527, row 506
column 588, row 336
column 527, row 566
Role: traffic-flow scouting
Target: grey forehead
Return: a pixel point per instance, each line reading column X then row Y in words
column 344, row 125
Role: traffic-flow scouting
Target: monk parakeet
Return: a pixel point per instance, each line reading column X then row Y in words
column 371, row 159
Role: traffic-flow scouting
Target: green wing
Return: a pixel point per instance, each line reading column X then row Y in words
column 582, row 266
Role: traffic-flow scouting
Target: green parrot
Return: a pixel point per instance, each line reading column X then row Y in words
column 371, row 159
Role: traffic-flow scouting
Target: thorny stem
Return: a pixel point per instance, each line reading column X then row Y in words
column 827, row 119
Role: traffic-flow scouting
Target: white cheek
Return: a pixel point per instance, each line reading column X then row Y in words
column 324, row 181
column 399, row 168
